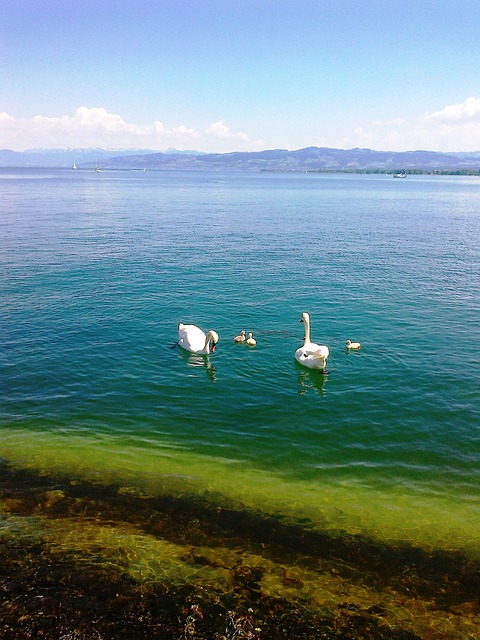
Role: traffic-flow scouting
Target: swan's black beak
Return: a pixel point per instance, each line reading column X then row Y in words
column 302, row 320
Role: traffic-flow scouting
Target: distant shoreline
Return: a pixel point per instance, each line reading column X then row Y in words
column 387, row 172
column 390, row 172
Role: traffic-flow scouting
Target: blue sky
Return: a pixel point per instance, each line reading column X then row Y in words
column 224, row 75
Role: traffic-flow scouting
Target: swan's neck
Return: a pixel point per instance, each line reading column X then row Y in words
column 207, row 343
column 307, row 330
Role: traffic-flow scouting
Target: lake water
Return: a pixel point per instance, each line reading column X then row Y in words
column 98, row 269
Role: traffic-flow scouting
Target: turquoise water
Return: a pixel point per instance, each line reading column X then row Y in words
column 100, row 268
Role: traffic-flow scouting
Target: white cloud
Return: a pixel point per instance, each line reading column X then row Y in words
column 219, row 131
column 456, row 113
column 96, row 127
column 452, row 128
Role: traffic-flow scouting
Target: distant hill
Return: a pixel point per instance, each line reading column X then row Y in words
column 308, row 159
column 62, row 157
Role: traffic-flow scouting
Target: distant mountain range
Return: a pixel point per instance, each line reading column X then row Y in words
column 64, row 158
column 309, row 159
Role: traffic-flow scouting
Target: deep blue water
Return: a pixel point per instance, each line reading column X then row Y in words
column 97, row 270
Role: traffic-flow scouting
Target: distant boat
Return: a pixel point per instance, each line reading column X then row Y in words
column 74, row 166
column 97, row 168
column 403, row 174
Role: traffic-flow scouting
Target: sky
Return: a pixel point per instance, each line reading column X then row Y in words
column 240, row 75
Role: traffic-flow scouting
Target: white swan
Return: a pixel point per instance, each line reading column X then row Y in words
column 311, row 355
column 251, row 340
column 193, row 339
column 241, row 337
column 353, row 345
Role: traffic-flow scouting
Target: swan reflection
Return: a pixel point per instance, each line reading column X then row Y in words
column 309, row 380
column 197, row 361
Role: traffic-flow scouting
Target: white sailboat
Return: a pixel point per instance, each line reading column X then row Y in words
column 74, row 166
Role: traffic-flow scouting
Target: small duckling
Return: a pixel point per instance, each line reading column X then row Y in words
column 241, row 337
column 353, row 345
column 251, row 340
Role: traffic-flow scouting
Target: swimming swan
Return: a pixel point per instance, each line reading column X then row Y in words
column 193, row 339
column 251, row 340
column 353, row 345
column 241, row 337
column 311, row 355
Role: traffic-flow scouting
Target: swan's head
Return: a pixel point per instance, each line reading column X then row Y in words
column 305, row 317
column 214, row 338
